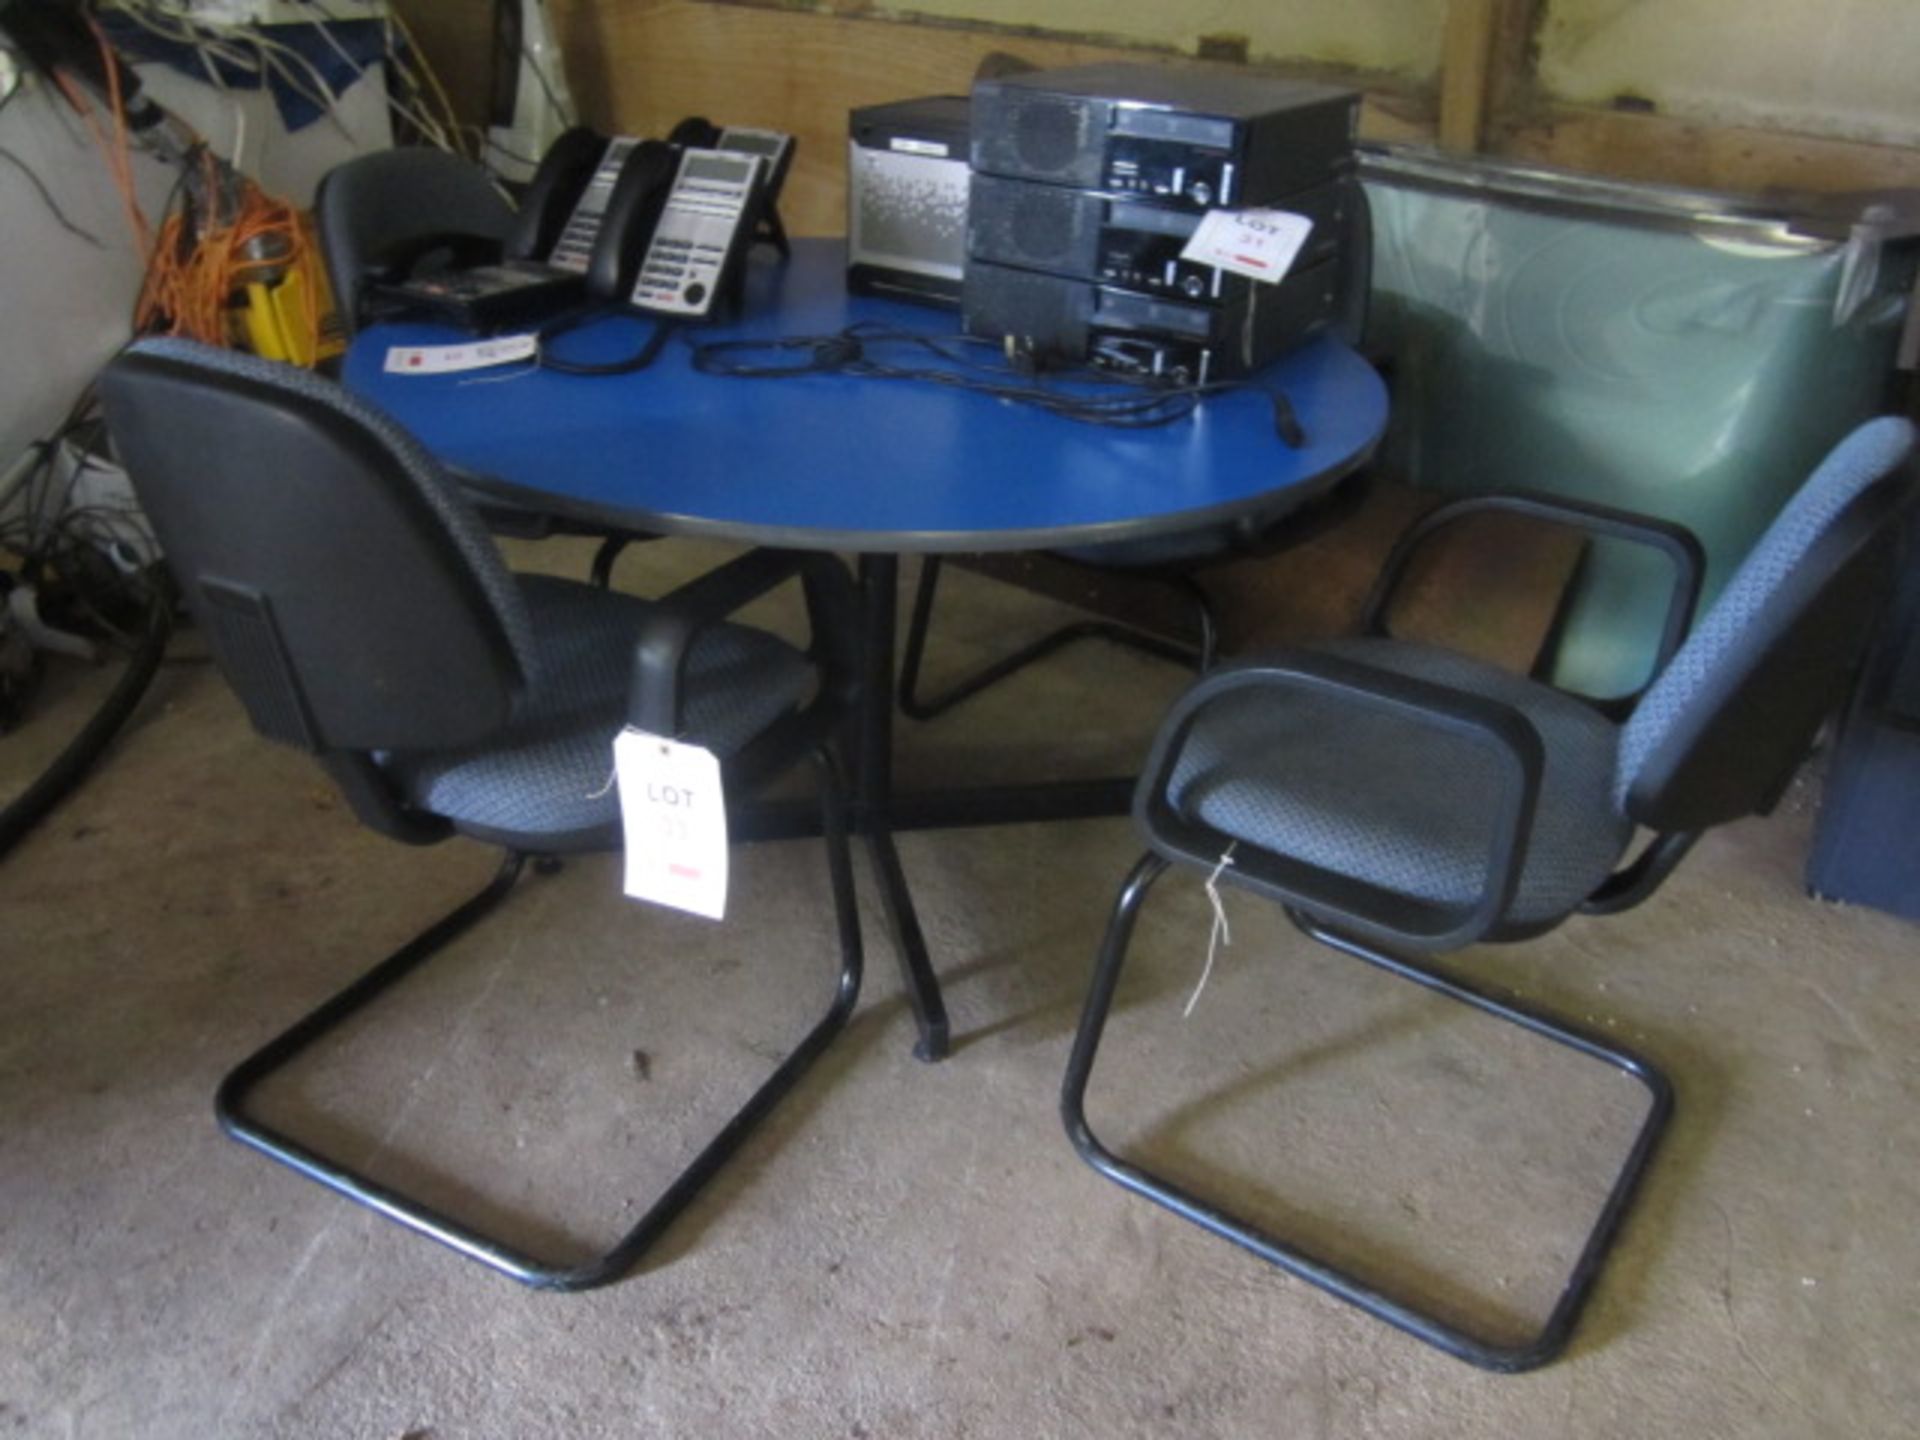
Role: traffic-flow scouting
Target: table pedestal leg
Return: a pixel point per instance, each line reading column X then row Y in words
column 873, row 800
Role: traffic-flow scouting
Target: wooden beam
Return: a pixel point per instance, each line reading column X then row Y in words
column 1625, row 145
column 1466, row 54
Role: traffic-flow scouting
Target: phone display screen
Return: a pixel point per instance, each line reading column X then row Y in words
column 718, row 167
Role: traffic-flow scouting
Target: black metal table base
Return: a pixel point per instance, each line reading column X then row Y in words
column 1553, row 1335
column 956, row 808
column 873, row 804
column 1196, row 655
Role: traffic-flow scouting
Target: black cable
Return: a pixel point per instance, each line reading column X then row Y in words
column 1117, row 400
column 46, row 195
column 639, row 360
column 37, row 518
column 490, row 143
column 70, row 767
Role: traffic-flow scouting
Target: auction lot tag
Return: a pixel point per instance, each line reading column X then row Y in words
column 1256, row 243
column 475, row 355
column 675, row 818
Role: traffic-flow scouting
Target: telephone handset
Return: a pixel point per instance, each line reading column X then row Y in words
column 555, row 200
column 632, row 210
column 561, row 210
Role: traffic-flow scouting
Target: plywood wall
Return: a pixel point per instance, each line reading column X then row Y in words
column 1389, row 37
column 1840, row 69
column 639, row 65
column 1742, row 95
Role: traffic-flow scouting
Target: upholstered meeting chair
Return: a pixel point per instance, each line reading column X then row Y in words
column 355, row 603
column 376, row 210
column 395, row 209
column 1395, row 797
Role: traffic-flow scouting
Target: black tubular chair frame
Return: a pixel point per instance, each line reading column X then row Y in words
column 1312, row 517
column 655, row 699
column 1305, row 891
column 231, row 1100
column 1489, row 1354
column 1197, row 655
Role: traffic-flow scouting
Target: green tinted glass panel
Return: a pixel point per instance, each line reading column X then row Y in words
column 1627, row 347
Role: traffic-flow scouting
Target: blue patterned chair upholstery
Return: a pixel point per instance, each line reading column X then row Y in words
column 1393, row 794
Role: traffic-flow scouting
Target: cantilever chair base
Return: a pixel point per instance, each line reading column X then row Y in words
column 230, row 1103
column 1477, row 1350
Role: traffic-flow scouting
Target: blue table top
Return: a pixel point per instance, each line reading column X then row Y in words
column 843, row 462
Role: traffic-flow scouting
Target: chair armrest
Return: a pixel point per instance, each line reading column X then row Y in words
column 1327, row 893
column 1676, row 542
column 660, row 656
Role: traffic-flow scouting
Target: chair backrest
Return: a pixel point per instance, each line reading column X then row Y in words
column 374, row 205
column 349, row 593
column 1719, row 733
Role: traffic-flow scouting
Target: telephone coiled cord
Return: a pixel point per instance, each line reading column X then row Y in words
column 627, row 365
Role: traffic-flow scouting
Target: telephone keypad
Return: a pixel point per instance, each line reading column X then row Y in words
column 696, row 233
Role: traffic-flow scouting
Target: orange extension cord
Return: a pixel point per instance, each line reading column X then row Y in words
column 201, row 263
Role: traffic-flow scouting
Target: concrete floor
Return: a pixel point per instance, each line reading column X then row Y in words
column 912, row 1250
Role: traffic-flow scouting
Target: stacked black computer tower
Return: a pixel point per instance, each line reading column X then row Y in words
column 1088, row 182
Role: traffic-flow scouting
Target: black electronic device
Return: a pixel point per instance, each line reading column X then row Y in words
column 1130, row 243
column 1200, row 137
column 698, row 232
column 1058, row 319
column 907, row 198
column 609, row 221
column 559, row 218
column 773, row 146
column 776, row 148
column 541, row 267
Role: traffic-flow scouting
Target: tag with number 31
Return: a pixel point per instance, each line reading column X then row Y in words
column 1260, row 244
column 675, row 818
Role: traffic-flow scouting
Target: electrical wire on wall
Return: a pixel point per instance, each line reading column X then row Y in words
column 225, row 263
column 226, row 50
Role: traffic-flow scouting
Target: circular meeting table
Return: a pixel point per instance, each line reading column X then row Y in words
column 871, row 467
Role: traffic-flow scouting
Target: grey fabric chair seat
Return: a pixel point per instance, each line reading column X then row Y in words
column 547, row 775
column 1403, row 806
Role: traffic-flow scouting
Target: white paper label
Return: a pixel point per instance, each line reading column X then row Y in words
column 675, row 818
column 475, row 355
column 1259, row 244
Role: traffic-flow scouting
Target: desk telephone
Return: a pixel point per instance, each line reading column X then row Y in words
column 662, row 226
